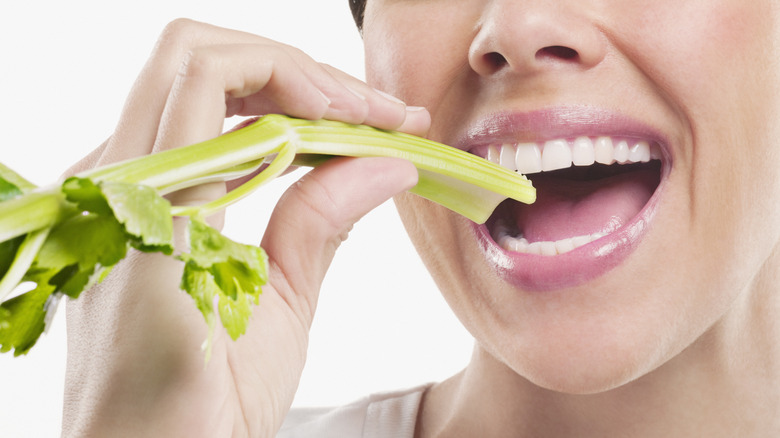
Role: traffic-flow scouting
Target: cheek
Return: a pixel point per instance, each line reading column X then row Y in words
column 714, row 62
column 414, row 49
column 735, row 100
column 709, row 57
column 410, row 74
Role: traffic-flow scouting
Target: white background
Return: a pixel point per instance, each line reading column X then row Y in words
column 65, row 69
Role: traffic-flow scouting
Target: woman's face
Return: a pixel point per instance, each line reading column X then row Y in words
column 653, row 254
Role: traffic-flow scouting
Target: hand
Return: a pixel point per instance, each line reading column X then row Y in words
column 135, row 366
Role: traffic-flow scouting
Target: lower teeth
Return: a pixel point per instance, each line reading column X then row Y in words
column 547, row 248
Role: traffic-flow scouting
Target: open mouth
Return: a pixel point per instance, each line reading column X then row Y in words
column 587, row 188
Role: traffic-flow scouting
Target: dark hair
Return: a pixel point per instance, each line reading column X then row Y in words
column 358, row 7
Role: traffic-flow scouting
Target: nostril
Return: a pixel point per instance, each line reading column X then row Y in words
column 495, row 60
column 559, row 52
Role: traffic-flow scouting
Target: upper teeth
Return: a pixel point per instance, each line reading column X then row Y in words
column 529, row 158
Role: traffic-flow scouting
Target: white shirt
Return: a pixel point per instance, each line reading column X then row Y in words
column 384, row 415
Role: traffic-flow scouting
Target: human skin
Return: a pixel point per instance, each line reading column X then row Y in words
column 676, row 336
column 135, row 366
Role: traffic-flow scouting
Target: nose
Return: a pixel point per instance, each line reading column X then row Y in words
column 528, row 37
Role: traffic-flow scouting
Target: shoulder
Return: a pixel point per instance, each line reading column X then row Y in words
column 387, row 414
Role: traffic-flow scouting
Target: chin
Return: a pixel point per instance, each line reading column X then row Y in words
column 582, row 370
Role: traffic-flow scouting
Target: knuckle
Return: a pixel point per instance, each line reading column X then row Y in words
column 178, row 32
column 176, row 39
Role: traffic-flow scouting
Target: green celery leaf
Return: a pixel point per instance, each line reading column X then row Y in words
column 237, row 272
column 200, row 285
column 86, row 195
column 82, row 249
column 5, row 317
column 145, row 215
column 78, row 251
column 235, row 266
column 23, row 319
column 235, row 313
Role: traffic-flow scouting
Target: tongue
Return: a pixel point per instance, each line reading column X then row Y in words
column 567, row 208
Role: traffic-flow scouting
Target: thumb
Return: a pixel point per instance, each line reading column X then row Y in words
column 315, row 215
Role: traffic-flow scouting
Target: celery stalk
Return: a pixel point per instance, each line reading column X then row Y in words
column 33, row 211
column 482, row 185
column 64, row 239
column 462, row 182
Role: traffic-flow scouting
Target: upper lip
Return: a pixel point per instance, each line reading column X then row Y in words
column 555, row 123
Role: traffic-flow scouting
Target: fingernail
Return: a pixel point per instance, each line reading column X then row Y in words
column 390, row 97
column 415, row 108
column 324, row 97
column 360, row 96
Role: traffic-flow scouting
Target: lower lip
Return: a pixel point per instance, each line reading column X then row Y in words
column 543, row 273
